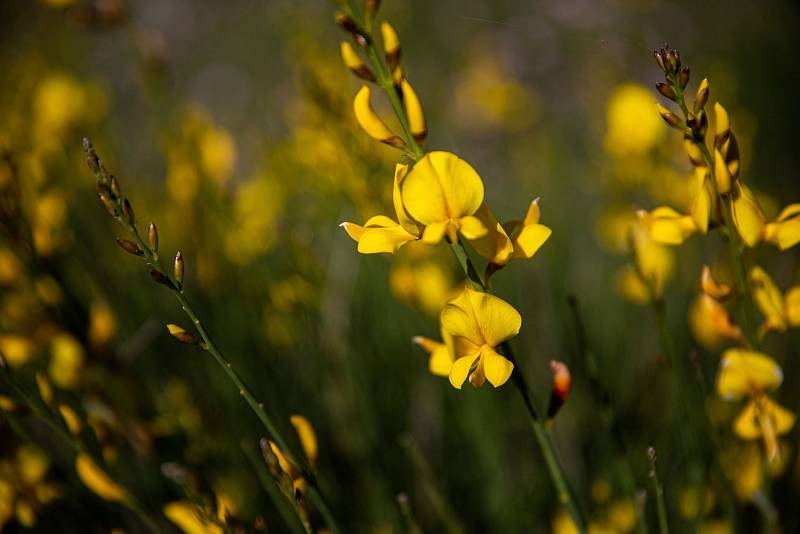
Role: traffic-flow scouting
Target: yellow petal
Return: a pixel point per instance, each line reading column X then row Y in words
column 440, row 362
column 434, row 233
column 534, row 213
column 460, row 370
column 702, row 200
column 389, row 240
column 188, row 518
column 667, row 226
column 747, row 214
column 391, row 42
column 71, row 418
column 768, row 298
column 405, row 220
column 721, row 173
column 760, row 413
column 746, row 423
column 495, row 245
column 747, row 372
column 308, row 438
column 97, row 480
column 441, row 187
column 472, row 227
column 416, row 118
column 784, row 231
column 792, row 306
column 530, row 240
column 350, row 57
column 497, row 368
column 481, row 318
column 355, row 231
column 712, row 288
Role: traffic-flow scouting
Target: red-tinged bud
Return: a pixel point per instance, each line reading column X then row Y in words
column 659, row 55
column 130, row 247
column 178, row 268
column 127, row 210
column 181, row 334
column 562, row 383
column 666, row 90
column 152, row 237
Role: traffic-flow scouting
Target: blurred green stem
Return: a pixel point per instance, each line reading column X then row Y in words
column 658, row 492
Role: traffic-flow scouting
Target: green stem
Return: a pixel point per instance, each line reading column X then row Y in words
column 319, row 501
column 658, row 491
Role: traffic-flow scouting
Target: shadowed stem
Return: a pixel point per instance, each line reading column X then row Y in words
column 658, row 491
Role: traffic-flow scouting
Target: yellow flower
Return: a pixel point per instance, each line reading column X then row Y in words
column 528, row 235
column 784, row 231
column 382, row 234
column 495, row 245
column 769, row 300
column 713, row 288
column 711, row 323
column 702, row 200
column 189, row 518
column 66, row 362
column 443, row 192
column 748, row 217
column 308, row 438
column 440, row 362
column 667, row 226
column 747, row 373
column 479, row 322
column 97, row 480
column 654, row 262
column 632, row 128
column 763, row 417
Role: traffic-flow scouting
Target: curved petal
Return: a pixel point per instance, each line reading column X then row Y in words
column 460, row 370
column 746, row 423
column 494, row 245
column 405, row 220
column 440, row 187
column 377, row 240
column 433, row 233
column 530, row 240
column 472, row 227
column 746, row 372
column 497, row 368
column 747, row 215
column 355, row 231
column 768, row 298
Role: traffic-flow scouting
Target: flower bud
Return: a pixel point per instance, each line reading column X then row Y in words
column 152, row 237
column 370, row 122
column 701, row 97
column 160, row 277
column 694, row 152
column 722, row 128
column 562, row 383
column 391, row 45
column 114, row 186
column 178, row 268
column 416, row 118
column 127, row 210
column 45, row 389
column 668, row 116
column 181, row 334
column 721, row 173
column 129, row 246
column 666, row 90
column 109, row 205
column 683, row 77
column 353, row 62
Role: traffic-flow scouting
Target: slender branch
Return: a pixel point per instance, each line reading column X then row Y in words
column 658, row 491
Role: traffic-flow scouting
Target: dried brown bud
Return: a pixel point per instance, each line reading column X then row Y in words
column 659, row 55
column 160, row 277
column 701, row 97
column 181, row 334
column 127, row 210
column 129, row 246
column 668, row 116
column 666, row 90
column 152, row 237
column 178, row 268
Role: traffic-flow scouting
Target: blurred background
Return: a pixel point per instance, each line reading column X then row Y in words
column 230, row 125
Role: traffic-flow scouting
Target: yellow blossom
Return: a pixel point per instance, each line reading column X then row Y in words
column 66, row 361
column 308, row 438
column 711, row 323
column 16, row 349
column 784, row 231
column 528, row 235
column 443, row 192
column 713, row 288
column 479, row 322
column 632, row 127
column 745, row 372
column 702, row 200
column 495, row 245
column 667, row 226
column 97, row 480
column 382, row 234
column 747, row 214
column 190, row 519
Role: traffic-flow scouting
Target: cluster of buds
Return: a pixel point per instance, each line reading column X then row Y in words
column 386, row 72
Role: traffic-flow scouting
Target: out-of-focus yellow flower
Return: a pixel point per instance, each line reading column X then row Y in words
column 702, row 200
column 102, row 323
column 66, row 361
column 97, row 480
column 71, row 418
column 667, row 226
column 748, row 217
column 45, row 388
column 440, row 362
column 256, row 206
column 711, row 287
column 443, row 192
column 563, row 524
column 23, row 488
column 382, row 234
column 217, row 153
column 425, row 283
column 58, row 103
column 711, row 324
column 16, row 349
column 769, row 300
column 190, row 518
column 654, row 265
column 695, row 501
column 479, row 322
column 10, row 267
column 784, row 231
column 622, row 515
column 753, row 374
column 49, row 216
column 308, row 438
column 632, row 127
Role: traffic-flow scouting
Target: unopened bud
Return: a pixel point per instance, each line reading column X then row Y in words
column 683, row 77
column 666, row 90
column 668, row 116
column 353, row 62
column 178, row 268
column 127, row 209
column 160, row 277
column 181, row 334
column 673, row 59
column 659, row 55
column 562, row 383
column 694, row 152
column 110, row 207
column 701, row 97
column 129, row 246
column 391, row 45
column 152, row 237
column 114, row 185
column 722, row 125
column 91, row 156
column 416, row 118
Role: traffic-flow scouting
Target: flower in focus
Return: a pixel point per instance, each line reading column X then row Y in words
column 443, row 192
column 382, row 234
column 746, row 373
column 479, row 322
column 512, row 240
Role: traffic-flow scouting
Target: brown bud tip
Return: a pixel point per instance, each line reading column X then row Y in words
column 114, row 185
column 152, row 237
column 129, row 246
column 181, row 334
column 160, row 277
column 683, row 77
column 346, row 23
column 178, row 268
column 666, row 90
column 109, row 205
column 91, row 156
column 127, row 209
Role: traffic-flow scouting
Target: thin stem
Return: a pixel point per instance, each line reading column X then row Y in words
column 658, row 491
column 319, row 501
